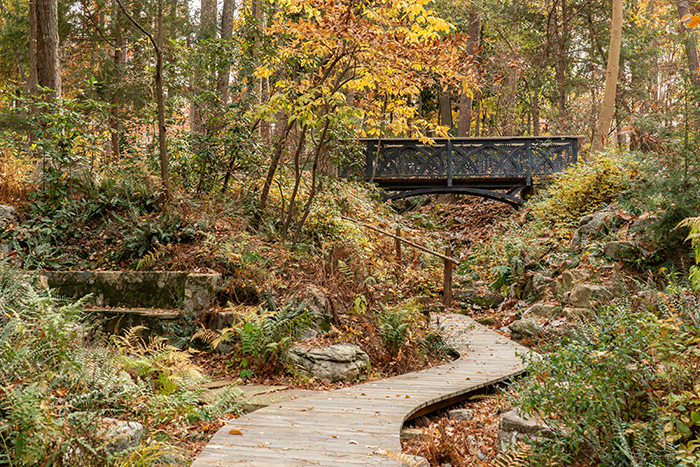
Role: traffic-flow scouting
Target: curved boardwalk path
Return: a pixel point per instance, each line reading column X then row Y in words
column 360, row 425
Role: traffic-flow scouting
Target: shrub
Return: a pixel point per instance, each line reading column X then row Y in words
column 583, row 189
column 622, row 390
column 58, row 381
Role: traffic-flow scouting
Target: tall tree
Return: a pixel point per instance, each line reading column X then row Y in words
column 44, row 47
column 690, row 38
column 465, row 97
column 607, row 108
column 222, row 81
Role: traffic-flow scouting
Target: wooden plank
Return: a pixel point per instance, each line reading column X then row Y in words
column 351, row 425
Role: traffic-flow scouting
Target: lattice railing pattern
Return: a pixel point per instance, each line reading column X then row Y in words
column 470, row 157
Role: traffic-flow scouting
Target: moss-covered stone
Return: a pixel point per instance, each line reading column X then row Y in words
column 133, row 289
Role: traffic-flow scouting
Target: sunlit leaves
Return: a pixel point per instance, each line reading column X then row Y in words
column 383, row 53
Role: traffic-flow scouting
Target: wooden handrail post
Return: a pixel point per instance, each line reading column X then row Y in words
column 447, row 287
column 398, row 244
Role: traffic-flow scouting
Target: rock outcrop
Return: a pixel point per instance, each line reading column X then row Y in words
column 339, row 362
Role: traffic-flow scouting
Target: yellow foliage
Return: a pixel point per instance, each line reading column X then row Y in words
column 583, row 189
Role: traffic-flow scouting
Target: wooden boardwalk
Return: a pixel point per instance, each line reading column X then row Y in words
column 360, row 425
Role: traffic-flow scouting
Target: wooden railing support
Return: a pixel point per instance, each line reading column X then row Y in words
column 447, row 286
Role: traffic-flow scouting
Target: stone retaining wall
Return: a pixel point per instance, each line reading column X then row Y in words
column 133, row 289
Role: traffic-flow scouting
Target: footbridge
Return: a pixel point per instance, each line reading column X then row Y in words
column 499, row 168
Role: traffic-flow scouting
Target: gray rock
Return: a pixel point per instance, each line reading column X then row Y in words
column 462, row 415
column 316, row 302
column 412, row 434
column 592, row 225
column 489, row 300
column 119, row 435
column 535, row 287
column 515, row 427
column 541, row 310
column 523, row 328
column 465, row 295
column 7, row 213
column 620, row 250
column 643, row 222
column 339, row 362
column 574, row 315
column 583, row 294
column 572, row 276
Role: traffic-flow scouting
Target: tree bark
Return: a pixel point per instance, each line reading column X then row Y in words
column 691, row 44
column 207, row 30
column 445, row 104
column 222, row 82
column 562, row 54
column 46, row 64
column 465, row 100
column 114, row 123
column 164, row 162
column 607, row 108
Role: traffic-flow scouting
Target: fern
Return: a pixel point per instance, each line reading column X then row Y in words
column 150, row 258
column 517, row 457
column 265, row 338
column 693, row 223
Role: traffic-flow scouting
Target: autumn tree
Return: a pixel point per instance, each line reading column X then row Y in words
column 385, row 53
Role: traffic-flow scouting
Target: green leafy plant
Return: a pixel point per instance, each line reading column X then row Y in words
column 264, row 339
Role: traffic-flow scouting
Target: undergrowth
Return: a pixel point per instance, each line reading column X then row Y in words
column 623, row 389
column 60, row 380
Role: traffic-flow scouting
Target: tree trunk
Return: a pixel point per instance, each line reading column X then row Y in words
column 607, row 108
column 46, row 64
column 536, row 103
column 114, row 123
column 562, row 54
column 691, row 43
column 207, row 30
column 222, row 82
column 445, row 104
column 466, row 100
column 161, row 106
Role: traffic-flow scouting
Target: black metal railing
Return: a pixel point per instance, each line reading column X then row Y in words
column 469, row 158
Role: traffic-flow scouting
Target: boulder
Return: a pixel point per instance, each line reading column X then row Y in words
column 523, row 328
column 583, row 294
column 461, row 415
column 643, row 222
column 465, row 295
column 592, row 225
column 119, row 435
column 7, row 213
column 515, row 427
column 620, row 250
column 535, row 287
column 572, row 276
column 541, row 310
column 339, row 362
column 317, row 305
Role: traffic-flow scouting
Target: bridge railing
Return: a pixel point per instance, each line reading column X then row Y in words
column 463, row 159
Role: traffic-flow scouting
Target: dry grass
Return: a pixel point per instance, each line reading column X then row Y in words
column 15, row 174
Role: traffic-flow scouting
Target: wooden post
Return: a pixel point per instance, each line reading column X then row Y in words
column 447, row 288
column 398, row 244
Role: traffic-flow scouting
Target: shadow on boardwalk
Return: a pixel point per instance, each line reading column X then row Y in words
column 360, row 425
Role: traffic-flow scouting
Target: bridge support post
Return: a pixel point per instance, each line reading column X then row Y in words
column 447, row 285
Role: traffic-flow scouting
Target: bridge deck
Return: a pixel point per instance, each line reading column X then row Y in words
column 360, row 425
column 466, row 165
